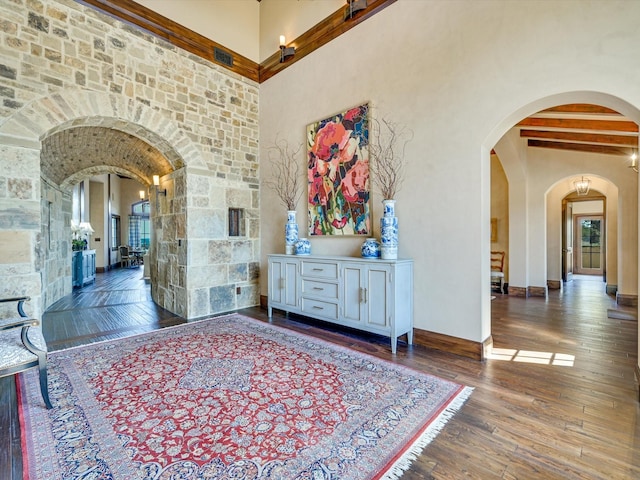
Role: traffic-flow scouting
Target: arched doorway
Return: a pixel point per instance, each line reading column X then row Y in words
column 541, row 174
column 112, row 165
column 62, row 144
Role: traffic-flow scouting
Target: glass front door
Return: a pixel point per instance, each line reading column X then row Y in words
column 590, row 249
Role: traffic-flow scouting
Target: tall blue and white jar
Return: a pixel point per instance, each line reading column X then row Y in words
column 389, row 231
column 291, row 233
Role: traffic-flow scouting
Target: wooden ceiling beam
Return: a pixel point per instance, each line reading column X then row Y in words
column 331, row 27
column 579, row 124
column 582, row 147
column 186, row 39
column 597, row 138
column 581, row 108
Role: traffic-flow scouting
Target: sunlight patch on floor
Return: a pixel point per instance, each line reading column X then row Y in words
column 528, row 356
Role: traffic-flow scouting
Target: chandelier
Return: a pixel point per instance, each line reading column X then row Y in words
column 582, row 186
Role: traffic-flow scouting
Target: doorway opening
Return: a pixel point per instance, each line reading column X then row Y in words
column 589, row 252
column 584, row 236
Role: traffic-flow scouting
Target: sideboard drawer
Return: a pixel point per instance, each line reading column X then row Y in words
column 325, row 290
column 318, row 308
column 320, row 270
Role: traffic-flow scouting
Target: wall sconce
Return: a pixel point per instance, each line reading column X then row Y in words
column 156, row 182
column 141, row 194
column 353, row 7
column 285, row 52
column 582, row 186
column 634, row 162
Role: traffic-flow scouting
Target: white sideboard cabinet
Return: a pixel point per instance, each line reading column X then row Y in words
column 368, row 294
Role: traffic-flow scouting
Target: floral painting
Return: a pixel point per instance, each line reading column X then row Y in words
column 338, row 156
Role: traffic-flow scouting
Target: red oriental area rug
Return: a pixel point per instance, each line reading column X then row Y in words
column 229, row 397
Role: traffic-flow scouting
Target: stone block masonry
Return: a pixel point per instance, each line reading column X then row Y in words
column 65, row 67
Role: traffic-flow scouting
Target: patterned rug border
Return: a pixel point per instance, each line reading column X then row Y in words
column 415, row 447
column 393, row 470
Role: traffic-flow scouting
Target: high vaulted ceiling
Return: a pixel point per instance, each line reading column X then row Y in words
column 583, row 128
column 573, row 127
column 576, row 127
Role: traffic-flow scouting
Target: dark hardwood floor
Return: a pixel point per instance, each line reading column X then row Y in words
column 558, row 401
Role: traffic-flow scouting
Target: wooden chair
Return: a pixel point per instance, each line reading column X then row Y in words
column 497, row 270
column 22, row 346
column 125, row 256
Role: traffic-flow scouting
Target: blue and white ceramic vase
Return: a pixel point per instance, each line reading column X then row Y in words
column 303, row 247
column 291, row 232
column 370, row 248
column 389, row 231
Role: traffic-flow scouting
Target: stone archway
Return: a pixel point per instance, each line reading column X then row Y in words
column 35, row 139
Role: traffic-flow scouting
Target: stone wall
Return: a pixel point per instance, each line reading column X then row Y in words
column 20, row 236
column 65, row 66
column 221, row 264
column 55, row 243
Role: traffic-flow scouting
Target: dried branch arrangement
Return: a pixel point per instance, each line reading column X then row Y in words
column 286, row 179
column 387, row 144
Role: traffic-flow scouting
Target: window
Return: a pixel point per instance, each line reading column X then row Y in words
column 236, row 222
column 115, row 232
column 139, row 225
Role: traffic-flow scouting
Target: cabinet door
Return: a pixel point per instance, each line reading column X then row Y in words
column 366, row 296
column 76, row 269
column 90, row 273
column 353, row 293
column 283, row 282
column 377, row 289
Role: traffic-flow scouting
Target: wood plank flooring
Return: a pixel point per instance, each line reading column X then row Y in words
column 559, row 401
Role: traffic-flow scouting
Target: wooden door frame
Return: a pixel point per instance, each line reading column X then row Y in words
column 567, row 245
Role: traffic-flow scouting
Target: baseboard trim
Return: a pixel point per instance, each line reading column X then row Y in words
column 611, row 289
column 454, row 345
column 517, row 292
column 537, row 291
column 554, row 284
column 627, row 300
column 437, row 341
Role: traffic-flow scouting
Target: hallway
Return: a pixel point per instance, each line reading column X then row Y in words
column 117, row 304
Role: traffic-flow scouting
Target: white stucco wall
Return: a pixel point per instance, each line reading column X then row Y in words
column 547, row 167
column 460, row 74
column 234, row 24
column 614, row 262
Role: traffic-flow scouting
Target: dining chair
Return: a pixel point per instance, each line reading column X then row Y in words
column 497, row 270
column 125, row 256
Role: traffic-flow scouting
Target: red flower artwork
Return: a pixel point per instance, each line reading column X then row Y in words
column 338, row 174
